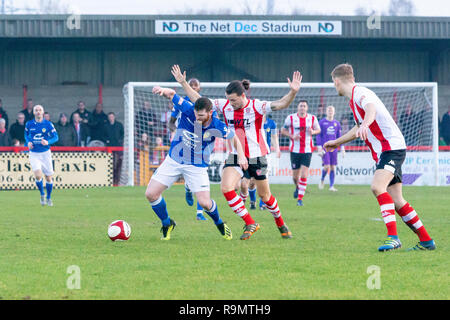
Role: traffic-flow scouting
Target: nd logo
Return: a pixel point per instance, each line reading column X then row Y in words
column 327, row 27
column 170, row 26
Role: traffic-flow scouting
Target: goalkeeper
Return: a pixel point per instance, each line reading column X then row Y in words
column 330, row 129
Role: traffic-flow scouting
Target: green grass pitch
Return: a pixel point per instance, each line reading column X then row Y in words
column 335, row 241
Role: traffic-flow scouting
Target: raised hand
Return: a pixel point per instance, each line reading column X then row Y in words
column 176, row 72
column 296, row 81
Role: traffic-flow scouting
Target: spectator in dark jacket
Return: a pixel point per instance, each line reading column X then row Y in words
column 114, row 131
column 3, row 114
column 17, row 129
column 82, row 112
column 97, row 122
column 66, row 132
column 445, row 127
column 5, row 140
column 81, row 130
column 28, row 111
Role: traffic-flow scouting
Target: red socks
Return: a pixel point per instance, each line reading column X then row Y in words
column 237, row 205
column 410, row 217
column 388, row 213
column 272, row 206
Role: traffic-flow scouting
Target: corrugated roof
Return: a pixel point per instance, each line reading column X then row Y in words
column 143, row 26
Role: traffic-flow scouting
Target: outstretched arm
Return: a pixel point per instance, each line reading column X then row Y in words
column 288, row 98
column 166, row 92
column 349, row 136
column 181, row 79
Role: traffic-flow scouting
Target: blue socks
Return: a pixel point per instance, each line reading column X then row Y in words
column 331, row 178
column 199, row 208
column 324, row 174
column 159, row 206
column 213, row 212
column 252, row 193
column 49, row 187
column 40, row 185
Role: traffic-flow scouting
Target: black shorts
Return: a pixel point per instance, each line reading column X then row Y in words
column 257, row 167
column 300, row 159
column 392, row 161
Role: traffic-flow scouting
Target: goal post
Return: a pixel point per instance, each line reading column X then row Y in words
column 413, row 105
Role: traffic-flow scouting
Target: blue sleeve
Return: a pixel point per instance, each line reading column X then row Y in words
column 273, row 125
column 175, row 113
column 226, row 132
column 53, row 135
column 181, row 104
column 215, row 114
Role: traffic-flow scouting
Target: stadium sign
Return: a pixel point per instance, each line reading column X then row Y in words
column 358, row 168
column 72, row 170
column 249, row 27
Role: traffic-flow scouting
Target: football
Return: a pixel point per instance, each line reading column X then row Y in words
column 119, row 230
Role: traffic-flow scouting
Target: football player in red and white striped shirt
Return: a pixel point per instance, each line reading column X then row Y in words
column 376, row 127
column 300, row 128
column 245, row 117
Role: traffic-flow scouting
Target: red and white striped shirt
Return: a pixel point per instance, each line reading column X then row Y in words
column 384, row 134
column 247, row 124
column 297, row 125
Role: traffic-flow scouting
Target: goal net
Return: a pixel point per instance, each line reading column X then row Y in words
column 413, row 106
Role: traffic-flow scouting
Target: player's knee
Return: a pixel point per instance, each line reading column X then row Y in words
column 151, row 195
column 226, row 188
column 376, row 189
column 205, row 203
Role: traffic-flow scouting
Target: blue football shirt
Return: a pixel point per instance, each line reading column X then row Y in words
column 193, row 143
column 36, row 131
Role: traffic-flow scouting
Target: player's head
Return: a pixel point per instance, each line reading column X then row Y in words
column 203, row 110
column 194, row 84
column 236, row 93
column 302, row 107
column 342, row 75
column 38, row 112
column 330, row 112
column 2, row 123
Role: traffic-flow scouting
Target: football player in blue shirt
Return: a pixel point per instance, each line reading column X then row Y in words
column 39, row 135
column 194, row 84
column 188, row 156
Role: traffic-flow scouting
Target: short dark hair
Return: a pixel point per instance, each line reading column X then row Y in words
column 238, row 86
column 111, row 113
column 203, row 104
column 304, row 100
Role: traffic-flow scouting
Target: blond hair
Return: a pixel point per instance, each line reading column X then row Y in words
column 343, row 71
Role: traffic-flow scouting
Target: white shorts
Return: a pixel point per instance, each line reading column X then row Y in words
column 42, row 161
column 170, row 171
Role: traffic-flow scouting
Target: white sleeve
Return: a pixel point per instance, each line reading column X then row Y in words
column 263, row 107
column 287, row 122
column 364, row 96
column 218, row 104
column 316, row 124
